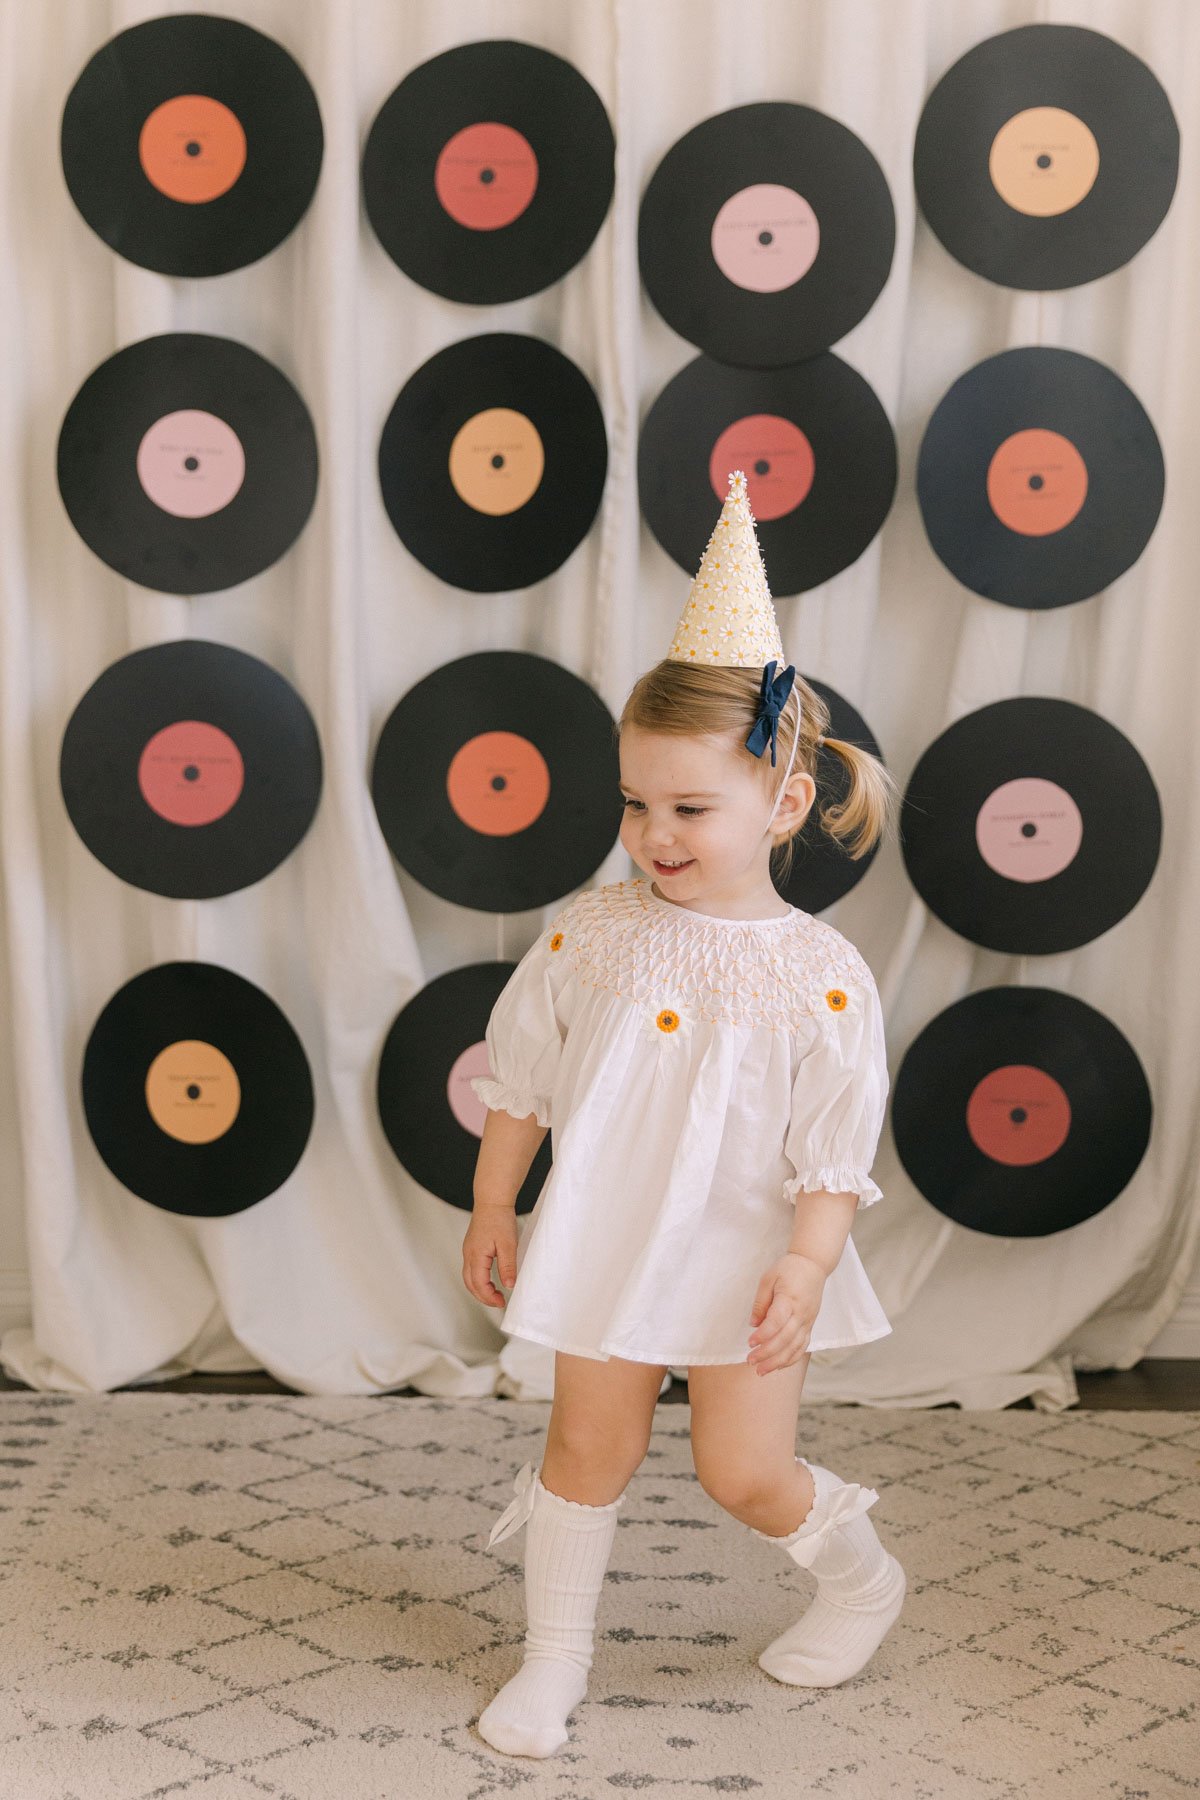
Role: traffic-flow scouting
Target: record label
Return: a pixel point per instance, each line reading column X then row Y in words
column 489, row 170
column 498, row 783
column 196, row 1089
column 191, row 144
column 1043, row 161
column 1040, row 478
column 193, row 1092
column 1018, row 1115
column 495, row 781
column 190, row 769
column 191, row 464
column 1047, row 156
column 1036, row 482
column 1008, row 833
column 191, row 773
column 492, row 461
column 192, row 148
column 1029, row 829
column 431, row 1116
column 497, row 461
column 778, row 460
column 187, row 463
column 1021, row 1111
column 486, row 176
column 765, row 237
column 817, row 448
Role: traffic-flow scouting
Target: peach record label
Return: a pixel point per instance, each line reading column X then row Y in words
column 191, row 463
column 465, row 1103
column 498, row 783
column 1036, row 482
column 1029, row 829
column 765, row 237
column 1018, row 1115
column 191, row 772
column 485, row 176
column 778, row 460
column 1043, row 161
column 193, row 1092
column 497, row 460
column 192, row 148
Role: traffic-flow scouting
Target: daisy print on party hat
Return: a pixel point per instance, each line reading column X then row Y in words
column 729, row 617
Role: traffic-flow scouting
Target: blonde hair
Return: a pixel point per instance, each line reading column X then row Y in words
column 685, row 699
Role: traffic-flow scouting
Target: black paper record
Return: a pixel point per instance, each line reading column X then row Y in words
column 1046, row 156
column 1040, row 478
column 818, row 452
column 1021, row 1111
column 191, row 769
column 196, row 1089
column 1031, row 826
column 188, row 463
column 488, row 172
column 192, row 144
column 766, row 233
column 431, row 1116
column 822, row 870
column 496, row 781
column 492, row 461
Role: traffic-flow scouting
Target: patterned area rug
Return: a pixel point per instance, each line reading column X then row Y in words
column 226, row 1598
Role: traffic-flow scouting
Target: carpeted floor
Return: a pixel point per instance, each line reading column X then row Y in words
column 227, row 1598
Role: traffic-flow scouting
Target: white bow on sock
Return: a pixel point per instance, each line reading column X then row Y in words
column 567, row 1547
column 860, row 1587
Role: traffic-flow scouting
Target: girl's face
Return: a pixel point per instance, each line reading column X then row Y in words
column 696, row 814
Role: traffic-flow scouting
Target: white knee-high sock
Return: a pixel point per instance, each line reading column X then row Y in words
column 860, row 1588
column 567, row 1547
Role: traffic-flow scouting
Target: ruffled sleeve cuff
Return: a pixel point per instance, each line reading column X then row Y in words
column 838, row 1179
column 500, row 1098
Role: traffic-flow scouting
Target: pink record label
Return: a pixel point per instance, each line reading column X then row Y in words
column 191, row 464
column 191, row 773
column 1029, row 829
column 465, row 1103
column 486, row 176
column 1018, row 1115
column 776, row 456
column 765, row 237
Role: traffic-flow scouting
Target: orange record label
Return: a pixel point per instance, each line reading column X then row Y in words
column 498, row 783
column 1018, row 1115
column 778, row 460
column 497, row 460
column 1036, row 482
column 1043, row 161
column 191, row 773
column 192, row 148
column 485, row 176
column 193, row 1092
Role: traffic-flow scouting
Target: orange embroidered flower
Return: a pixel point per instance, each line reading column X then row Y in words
column 556, row 942
column 665, row 1023
column 667, row 1020
column 835, row 999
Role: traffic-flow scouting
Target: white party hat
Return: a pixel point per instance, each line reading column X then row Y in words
column 729, row 617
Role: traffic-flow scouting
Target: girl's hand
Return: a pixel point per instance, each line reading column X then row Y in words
column 786, row 1305
column 491, row 1233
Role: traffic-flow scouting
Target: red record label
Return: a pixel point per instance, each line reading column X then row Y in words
column 486, row 176
column 1018, row 1115
column 498, row 783
column 191, row 773
column 777, row 458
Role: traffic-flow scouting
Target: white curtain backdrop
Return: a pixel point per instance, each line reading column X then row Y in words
column 347, row 1279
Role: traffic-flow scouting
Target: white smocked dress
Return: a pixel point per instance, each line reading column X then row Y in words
column 697, row 1074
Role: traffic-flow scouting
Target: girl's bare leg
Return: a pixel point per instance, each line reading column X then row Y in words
column 600, row 1425
column 744, row 1443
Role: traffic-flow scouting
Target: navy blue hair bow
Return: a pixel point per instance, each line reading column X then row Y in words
column 771, row 701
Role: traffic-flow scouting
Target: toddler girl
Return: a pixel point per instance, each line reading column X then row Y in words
column 712, row 1063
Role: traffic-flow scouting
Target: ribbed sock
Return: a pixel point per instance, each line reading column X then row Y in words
column 567, row 1547
column 860, row 1590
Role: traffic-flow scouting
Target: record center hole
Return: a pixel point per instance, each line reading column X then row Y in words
column 1029, row 829
column 499, row 783
column 766, row 237
column 487, row 176
column 1044, row 161
column 497, row 461
column 1018, row 1115
column 193, row 1092
column 191, row 462
column 191, row 773
column 762, row 466
column 193, row 148
column 1037, row 483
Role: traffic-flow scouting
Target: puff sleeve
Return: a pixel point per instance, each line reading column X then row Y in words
column 839, row 1094
column 524, row 1036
